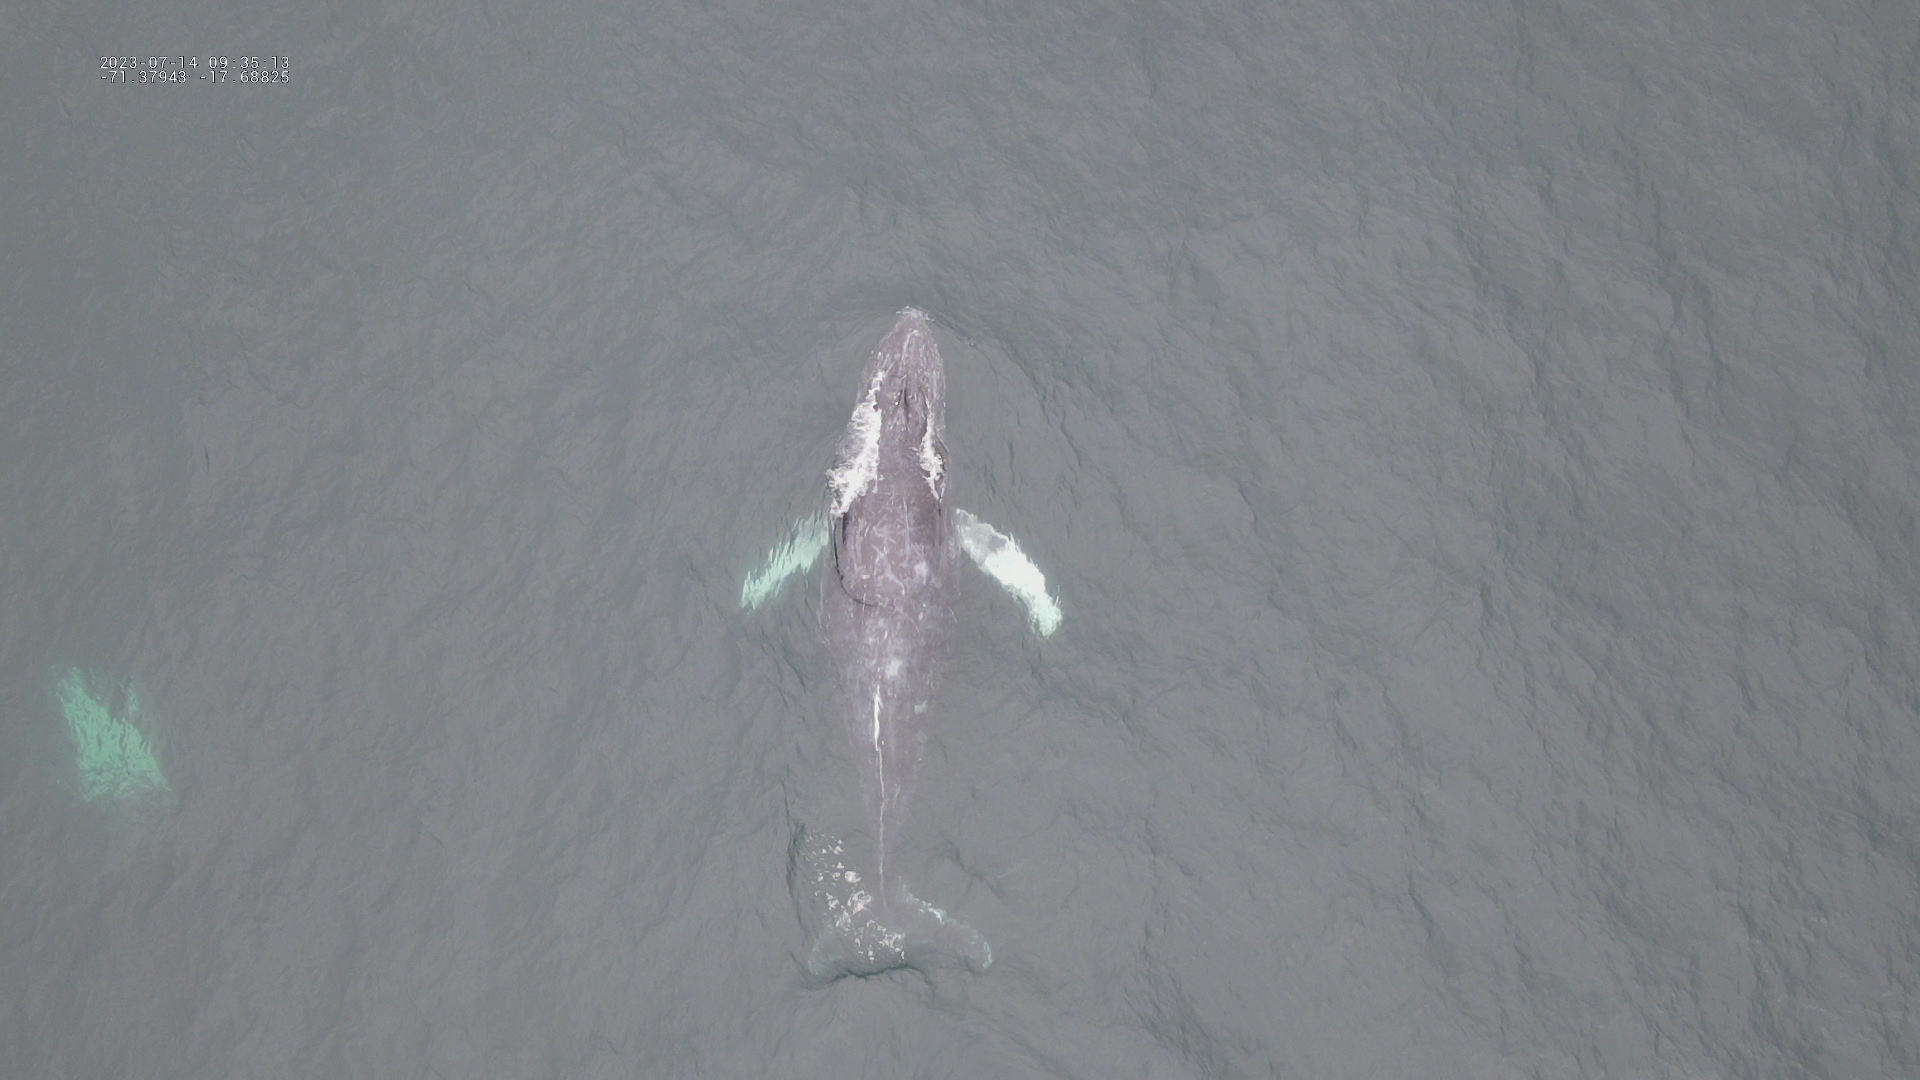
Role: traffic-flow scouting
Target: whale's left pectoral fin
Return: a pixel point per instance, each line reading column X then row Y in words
column 1002, row 560
column 794, row 555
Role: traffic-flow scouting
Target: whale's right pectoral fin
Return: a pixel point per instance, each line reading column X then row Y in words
column 995, row 553
column 794, row 555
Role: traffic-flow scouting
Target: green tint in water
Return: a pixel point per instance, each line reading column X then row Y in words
column 113, row 757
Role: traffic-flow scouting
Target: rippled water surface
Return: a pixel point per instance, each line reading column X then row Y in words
column 1473, row 446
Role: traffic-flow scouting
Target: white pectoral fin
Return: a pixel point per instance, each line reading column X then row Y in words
column 1002, row 560
column 794, row 555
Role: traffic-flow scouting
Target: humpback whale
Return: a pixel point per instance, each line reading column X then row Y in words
column 885, row 608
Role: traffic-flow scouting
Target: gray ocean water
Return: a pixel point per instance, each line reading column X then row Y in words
column 1474, row 446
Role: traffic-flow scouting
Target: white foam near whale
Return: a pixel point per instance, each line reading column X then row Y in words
column 885, row 605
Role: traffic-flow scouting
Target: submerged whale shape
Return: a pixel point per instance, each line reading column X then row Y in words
column 886, row 608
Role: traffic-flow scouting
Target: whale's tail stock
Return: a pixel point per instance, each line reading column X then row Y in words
column 859, row 925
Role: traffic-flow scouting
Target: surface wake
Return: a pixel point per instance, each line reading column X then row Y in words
column 856, row 927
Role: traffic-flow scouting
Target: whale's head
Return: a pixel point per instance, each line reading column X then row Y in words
column 899, row 421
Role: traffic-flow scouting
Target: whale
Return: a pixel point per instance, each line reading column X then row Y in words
column 891, row 544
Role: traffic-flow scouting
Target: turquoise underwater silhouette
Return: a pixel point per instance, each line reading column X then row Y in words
column 113, row 757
